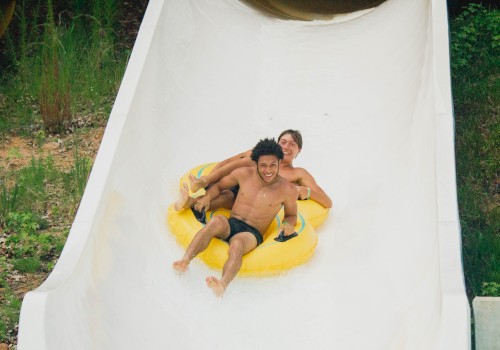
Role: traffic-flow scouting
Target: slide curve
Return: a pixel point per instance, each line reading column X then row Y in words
column 370, row 92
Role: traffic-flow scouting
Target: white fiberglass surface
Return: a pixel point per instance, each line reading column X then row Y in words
column 206, row 80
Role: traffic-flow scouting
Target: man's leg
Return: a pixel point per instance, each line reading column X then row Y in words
column 239, row 245
column 225, row 200
column 197, row 183
column 185, row 201
column 218, row 227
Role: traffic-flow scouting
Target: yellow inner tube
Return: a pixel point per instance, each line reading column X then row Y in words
column 269, row 258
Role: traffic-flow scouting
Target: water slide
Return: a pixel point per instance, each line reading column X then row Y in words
column 370, row 92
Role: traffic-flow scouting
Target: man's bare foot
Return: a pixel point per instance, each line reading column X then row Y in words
column 185, row 201
column 216, row 285
column 180, row 266
column 196, row 183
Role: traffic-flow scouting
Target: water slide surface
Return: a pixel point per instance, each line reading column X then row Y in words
column 370, row 92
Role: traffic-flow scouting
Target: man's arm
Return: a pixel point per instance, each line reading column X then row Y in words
column 230, row 160
column 225, row 183
column 222, row 169
column 290, row 208
column 225, row 167
column 308, row 188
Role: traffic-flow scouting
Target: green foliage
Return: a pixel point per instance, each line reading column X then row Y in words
column 491, row 289
column 105, row 11
column 9, row 198
column 9, row 315
column 76, row 179
column 26, row 244
column 475, row 55
column 21, row 229
column 62, row 66
column 9, row 312
column 22, row 223
column 27, row 265
column 28, row 188
column 34, row 175
column 475, row 37
column 40, row 138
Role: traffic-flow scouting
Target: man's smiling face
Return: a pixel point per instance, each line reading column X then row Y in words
column 290, row 147
column 268, row 168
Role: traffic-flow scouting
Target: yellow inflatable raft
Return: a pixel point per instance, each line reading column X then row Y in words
column 271, row 257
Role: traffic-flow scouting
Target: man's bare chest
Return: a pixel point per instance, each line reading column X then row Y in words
column 261, row 197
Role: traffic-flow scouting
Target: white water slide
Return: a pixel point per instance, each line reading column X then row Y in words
column 370, row 92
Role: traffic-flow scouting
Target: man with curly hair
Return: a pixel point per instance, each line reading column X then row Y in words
column 261, row 195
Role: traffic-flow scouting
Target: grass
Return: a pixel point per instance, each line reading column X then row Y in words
column 61, row 66
column 475, row 56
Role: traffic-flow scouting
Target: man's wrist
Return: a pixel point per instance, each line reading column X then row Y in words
column 207, row 197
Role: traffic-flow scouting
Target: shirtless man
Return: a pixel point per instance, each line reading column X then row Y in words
column 262, row 194
column 291, row 143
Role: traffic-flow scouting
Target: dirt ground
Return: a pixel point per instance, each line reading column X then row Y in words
column 17, row 151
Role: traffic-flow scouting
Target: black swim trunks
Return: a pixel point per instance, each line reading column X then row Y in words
column 237, row 226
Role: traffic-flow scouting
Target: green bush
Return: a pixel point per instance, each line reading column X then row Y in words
column 491, row 289
column 475, row 60
column 22, row 223
column 475, row 35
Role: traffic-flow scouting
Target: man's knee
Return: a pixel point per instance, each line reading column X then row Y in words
column 217, row 224
column 236, row 247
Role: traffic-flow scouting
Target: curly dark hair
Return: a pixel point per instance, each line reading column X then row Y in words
column 267, row 147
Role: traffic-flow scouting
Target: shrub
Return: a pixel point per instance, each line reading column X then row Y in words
column 491, row 289
column 475, row 58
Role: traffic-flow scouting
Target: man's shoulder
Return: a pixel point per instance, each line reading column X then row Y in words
column 296, row 174
column 300, row 171
column 285, row 184
column 296, row 171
